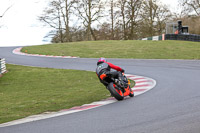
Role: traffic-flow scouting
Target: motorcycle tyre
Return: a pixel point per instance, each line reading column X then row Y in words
column 114, row 92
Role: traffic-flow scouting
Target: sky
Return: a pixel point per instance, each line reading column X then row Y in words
column 20, row 26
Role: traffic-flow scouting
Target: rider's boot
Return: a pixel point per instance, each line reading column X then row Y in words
column 131, row 90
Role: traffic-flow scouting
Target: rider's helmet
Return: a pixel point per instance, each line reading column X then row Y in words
column 101, row 60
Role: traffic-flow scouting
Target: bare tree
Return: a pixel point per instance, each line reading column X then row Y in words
column 112, row 18
column 103, row 32
column 154, row 16
column 150, row 9
column 66, row 16
column 129, row 15
column 134, row 8
column 190, row 6
column 163, row 15
column 89, row 11
column 124, row 19
column 57, row 16
column 114, row 14
column 5, row 11
column 122, row 4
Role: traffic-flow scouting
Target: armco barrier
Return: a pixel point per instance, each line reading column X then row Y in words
column 2, row 66
column 184, row 37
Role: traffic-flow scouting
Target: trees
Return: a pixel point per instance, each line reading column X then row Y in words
column 193, row 23
column 122, row 4
column 150, row 9
column 190, row 15
column 5, row 13
column 154, row 16
column 89, row 11
column 112, row 4
column 163, row 16
column 105, row 19
column 57, row 16
column 134, row 9
column 127, row 12
column 191, row 6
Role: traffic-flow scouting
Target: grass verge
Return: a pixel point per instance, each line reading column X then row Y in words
column 122, row 49
column 26, row 91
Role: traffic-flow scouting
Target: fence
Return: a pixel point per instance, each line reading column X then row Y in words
column 184, row 37
column 155, row 38
column 2, row 66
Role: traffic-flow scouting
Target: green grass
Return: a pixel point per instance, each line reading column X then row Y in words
column 26, row 91
column 122, row 49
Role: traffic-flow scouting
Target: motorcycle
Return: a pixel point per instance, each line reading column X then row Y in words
column 118, row 88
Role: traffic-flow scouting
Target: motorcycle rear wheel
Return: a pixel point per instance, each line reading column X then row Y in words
column 118, row 94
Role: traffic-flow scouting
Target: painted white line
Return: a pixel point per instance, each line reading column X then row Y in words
column 147, row 82
column 18, row 51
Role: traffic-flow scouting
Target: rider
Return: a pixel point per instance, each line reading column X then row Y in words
column 104, row 67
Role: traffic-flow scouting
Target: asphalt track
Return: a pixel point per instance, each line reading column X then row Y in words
column 171, row 107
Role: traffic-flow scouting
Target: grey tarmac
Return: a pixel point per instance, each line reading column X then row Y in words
column 171, row 107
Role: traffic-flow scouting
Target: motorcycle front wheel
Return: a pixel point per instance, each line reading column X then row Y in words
column 118, row 94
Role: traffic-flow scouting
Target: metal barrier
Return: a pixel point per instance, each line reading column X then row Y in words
column 2, row 66
column 184, row 37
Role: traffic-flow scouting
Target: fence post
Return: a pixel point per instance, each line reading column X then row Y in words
column 2, row 66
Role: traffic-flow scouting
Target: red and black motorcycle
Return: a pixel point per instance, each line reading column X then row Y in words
column 118, row 88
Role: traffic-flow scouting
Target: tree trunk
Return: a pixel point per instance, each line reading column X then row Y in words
column 112, row 20
column 67, row 32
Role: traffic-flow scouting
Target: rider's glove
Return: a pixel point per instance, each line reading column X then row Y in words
column 123, row 71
